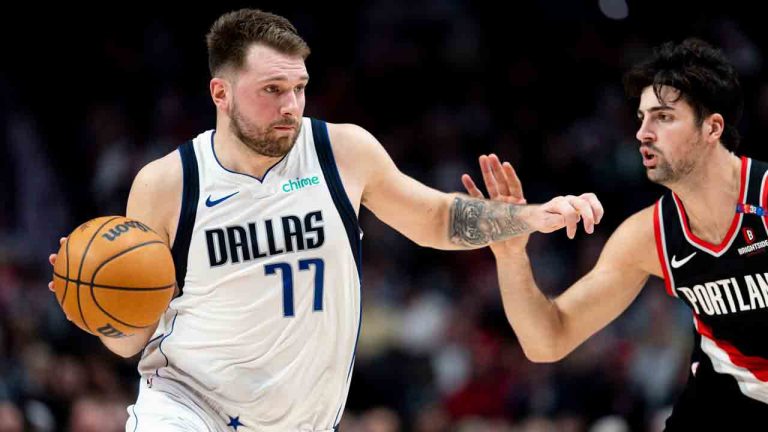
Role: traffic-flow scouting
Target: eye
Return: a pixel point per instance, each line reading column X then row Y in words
column 299, row 88
column 664, row 117
column 272, row 89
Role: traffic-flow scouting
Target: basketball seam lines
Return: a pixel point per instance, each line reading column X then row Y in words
column 66, row 284
column 95, row 272
column 112, row 287
column 80, row 271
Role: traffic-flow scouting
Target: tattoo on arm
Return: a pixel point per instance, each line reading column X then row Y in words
column 477, row 222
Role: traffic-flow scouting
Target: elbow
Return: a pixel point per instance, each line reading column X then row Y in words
column 546, row 354
column 426, row 242
column 543, row 357
column 129, row 354
column 125, row 348
column 125, row 353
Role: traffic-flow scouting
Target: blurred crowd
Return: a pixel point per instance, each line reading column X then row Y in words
column 438, row 82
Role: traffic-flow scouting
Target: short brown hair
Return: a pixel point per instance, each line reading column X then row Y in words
column 234, row 32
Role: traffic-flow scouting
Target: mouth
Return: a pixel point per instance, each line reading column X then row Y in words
column 649, row 158
column 284, row 128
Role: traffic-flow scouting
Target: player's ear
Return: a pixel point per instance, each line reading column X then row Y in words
column 220, row 93
column 714, row 125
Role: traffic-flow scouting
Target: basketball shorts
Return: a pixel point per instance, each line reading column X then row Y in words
column 167, row 406
column 712, row 401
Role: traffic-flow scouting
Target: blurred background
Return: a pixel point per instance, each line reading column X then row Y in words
column 90, row 95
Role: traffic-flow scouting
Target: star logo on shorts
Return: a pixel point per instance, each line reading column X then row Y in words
column 234, row 422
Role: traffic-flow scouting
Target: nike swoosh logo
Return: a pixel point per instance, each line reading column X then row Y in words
column 677, row 264
column 210, row 203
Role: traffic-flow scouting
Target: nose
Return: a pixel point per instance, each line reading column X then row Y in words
column 644, row 133
column 289, row 106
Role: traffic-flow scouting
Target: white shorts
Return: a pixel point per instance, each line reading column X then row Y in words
column 166, row 406
column 161, row 409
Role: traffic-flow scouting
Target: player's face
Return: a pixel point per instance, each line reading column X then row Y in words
column 267, row 102
column 670, row 141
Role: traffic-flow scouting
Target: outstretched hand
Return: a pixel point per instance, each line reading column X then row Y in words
column 503, row 184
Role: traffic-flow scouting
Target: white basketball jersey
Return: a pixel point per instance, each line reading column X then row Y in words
column 267, row 322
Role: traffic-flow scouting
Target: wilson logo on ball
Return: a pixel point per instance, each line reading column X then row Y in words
column 115, row 232
column 109, row 331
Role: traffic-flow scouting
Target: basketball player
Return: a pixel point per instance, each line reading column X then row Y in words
column 261, row 216
column 707, row 237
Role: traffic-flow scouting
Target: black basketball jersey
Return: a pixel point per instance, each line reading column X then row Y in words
column 725, row 285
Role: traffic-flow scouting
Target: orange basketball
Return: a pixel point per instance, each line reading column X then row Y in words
column 114, row 276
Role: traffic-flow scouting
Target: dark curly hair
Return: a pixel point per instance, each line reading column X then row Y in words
column 702, row 75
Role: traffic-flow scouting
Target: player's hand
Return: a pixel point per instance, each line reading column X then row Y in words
column 566, row 212
column 503, row 185
column 52, row 260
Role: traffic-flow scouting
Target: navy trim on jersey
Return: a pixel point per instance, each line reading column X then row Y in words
column 260, row 180
column 136, row 425
column 190, row 195
column 339, row 195
column 346, row 212
column 160, row 345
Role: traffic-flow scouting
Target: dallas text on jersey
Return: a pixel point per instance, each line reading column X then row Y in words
column 245, row 243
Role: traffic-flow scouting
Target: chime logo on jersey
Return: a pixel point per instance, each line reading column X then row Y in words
column 236, row 243
column 300, row 183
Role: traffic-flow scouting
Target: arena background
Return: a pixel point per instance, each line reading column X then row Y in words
column 89, row 95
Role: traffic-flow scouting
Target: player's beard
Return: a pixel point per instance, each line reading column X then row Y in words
column 666, row 173
column 263, row 141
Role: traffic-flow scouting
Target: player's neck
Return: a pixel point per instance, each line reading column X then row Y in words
column 710, row 194
column 234, row 155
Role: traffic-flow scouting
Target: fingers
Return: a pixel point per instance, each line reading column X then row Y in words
column 502, row 182
column 515, row 186
column 573, row 209
column 597, row 207
column 584, row 209
column 52, row 260
column 471, row 187
column 564, row 207
column 488, row 178
column 52, row 257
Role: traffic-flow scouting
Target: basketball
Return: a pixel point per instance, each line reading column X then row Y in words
column 113, row 276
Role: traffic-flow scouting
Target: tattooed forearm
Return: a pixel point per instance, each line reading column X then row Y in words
column 477, row 222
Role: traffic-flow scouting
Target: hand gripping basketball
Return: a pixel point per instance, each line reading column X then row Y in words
column 113, row 276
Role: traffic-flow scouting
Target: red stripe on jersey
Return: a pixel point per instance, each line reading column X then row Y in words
column 764, row 198
column 758, row 366
column 734, row 222
column 660, row 247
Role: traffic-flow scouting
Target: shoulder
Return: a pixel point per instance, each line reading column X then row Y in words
column 155, row 196
column 641, row 222
column 357, row 146
column 161, row 173
column 358, row 152
column 351, row 137
column 635, row 241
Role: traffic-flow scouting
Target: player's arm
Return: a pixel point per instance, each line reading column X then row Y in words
column 437, row 219
column 549, row 329
column 155, row 199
